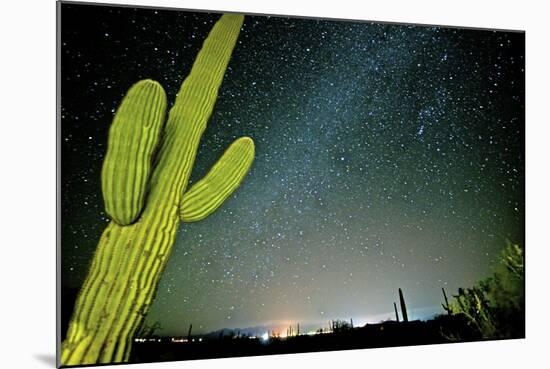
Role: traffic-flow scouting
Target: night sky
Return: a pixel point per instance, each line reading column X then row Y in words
column 387, row 156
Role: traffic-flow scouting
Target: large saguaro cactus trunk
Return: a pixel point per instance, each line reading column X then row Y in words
column 144, row 182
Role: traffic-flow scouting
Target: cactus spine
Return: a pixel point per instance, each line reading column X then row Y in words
column 146, row 200
column 403, row 306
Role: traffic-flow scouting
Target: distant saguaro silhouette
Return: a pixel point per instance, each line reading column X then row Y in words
column 403, row 306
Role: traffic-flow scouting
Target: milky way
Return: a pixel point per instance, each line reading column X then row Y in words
column 387, row 156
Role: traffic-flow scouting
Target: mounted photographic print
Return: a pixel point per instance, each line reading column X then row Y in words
column 239, row 184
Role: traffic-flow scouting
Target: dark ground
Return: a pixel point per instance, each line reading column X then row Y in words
column 386, row 334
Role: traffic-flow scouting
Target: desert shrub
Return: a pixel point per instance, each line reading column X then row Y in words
column 495, row 307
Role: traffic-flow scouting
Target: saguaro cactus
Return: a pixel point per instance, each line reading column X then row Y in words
column 403, row 307
column 144, row 181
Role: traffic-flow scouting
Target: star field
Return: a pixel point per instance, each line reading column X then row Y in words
column 387, row 156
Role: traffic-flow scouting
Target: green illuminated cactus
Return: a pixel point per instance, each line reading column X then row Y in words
column 144, row 183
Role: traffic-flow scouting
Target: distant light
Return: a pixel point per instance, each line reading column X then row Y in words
column 265, row 336
column 179, row 340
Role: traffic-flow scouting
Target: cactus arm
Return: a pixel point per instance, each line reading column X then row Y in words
column 133, row 137
column 226, row 175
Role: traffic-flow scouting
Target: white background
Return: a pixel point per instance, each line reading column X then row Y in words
column 28, row 189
